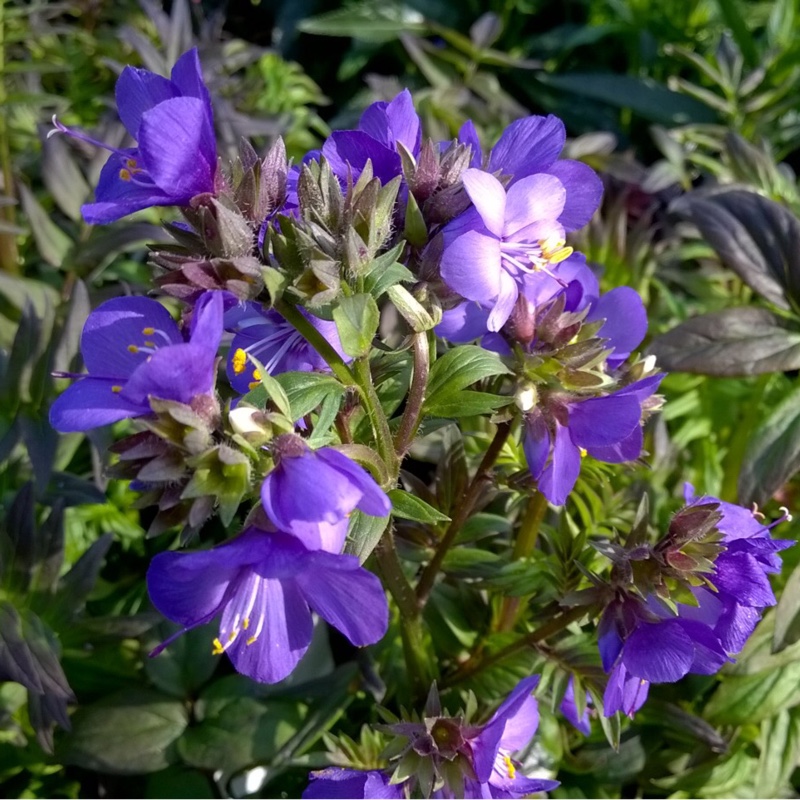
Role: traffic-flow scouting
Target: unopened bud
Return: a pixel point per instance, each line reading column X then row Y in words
column 526, row 397
column 249, row 422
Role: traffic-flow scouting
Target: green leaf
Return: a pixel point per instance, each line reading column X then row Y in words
column 466, row 404
column 643, row 96
column 787, row 614
column 369, row 22
column 773, row 453
column 274, row 390
column 306, row 390
column 744, row 699
column 127, row 733
column 52, row 243
column 186, row 664
column 733, row 342
column 780, row 753
column 364, row 534
column 409, row 506
column 243, row 732
column 356, row 319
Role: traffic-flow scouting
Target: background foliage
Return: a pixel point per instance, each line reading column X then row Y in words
column 687, row 108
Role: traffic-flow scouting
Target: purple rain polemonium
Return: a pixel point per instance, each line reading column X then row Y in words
column 176, row 155
column 470, row 761
column 311, row 493
column 569, row 708
column 133, row 350
column 723, row 553
column 278, row 346
column 264, row 587
column 383, row 126
column 504, row 245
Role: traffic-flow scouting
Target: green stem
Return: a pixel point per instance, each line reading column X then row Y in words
column 380, row 425
column 292, row 315
column 474, row 666
column 411, row 630
column 9, row 257
column 524, row 545
column 463, row 511
column 416, row 395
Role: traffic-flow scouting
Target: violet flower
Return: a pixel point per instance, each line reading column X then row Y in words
column 507, row 243
column 559, row 433
column 176, row 158
column 569, row 709
column 133, row 350
column 311, row 493
column 382, row 127
column 510, row 729
column 268, row 337
column 265, row 587
column 645, row 641
column 335, row 782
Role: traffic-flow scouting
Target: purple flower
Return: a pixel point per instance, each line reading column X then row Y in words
column 265, row 586
column 559, row 432
column 348, row 783
column 510, row 729
column 742, row 589
column 531, row 146
column 382, row 127
column 569, row 709
column 646, row 641
column 133, row 350
column 176, row 158
column 268, row 337
column 507, row 244
column 310, row 493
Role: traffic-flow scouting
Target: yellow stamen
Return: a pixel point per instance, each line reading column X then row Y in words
column 251, row 640
column 512, row 770
column 583, row 452
column 239, row 361
column 125, row 174
column 149, row 344
column 554, row 249
column 131, row 162
column 256, row 375
column 246, row 623
column 132, row 348
column 148, row 331
column 232, row 636
column 218, row 649
column 116, row 389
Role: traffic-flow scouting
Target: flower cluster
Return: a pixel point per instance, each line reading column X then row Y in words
column 687, row 604
column 311, row 282
column 446, row 757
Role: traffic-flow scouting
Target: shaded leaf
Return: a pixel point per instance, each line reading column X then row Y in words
column 409, row 506
column 734, row 342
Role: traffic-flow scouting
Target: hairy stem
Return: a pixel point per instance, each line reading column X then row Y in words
column 463, row 511
column 416, row 394
column 377, row 418
column 474, row 666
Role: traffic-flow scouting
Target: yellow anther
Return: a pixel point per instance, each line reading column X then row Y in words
column 239, row 361
column 512, row 770
column 149, row 344
column 218, row 649
column 116, row 389
column 560, row 255
column 148, row 331
column 132, row 348
column 131, row 162
column 256, row 375
column 584, row 452
column 251, row 640
column 246, row 623
column 125, row 174
column 554, row 249
column 232, row 636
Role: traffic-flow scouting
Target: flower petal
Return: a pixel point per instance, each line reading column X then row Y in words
column 282, row 633
column 536, row 444
column 538, row 198
column 91, row 403
column 625, row 320
column 471, row 266
column 137, row 91
column 374, row 501
column 349, row 151
column 187, row 75
column 604, row 421
column 504, row 302
column 345, row 595
column 629, row 449
column 658, row 652
column 528, row 146
column 741, row 576
column 488, row 196
column 206, row 328
column 584, row 192
column 468, row 135
column 464, row 323
column 624, row 692
column 560, row 475
column 178, row 148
